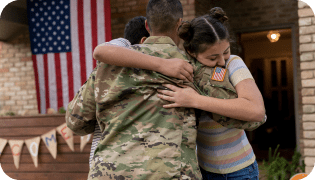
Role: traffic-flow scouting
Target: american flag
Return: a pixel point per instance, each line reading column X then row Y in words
column 63, row 35
column 218, row 74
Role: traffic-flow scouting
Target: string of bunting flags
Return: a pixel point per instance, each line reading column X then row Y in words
column 49, row 140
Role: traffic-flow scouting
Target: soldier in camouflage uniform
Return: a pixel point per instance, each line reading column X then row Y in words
column 140, row 139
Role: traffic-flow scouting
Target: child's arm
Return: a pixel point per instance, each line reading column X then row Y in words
column 249, row 105
column 120, row 56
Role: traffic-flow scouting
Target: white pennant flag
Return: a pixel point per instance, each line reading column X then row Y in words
column 16, row 147
column 50, row 141
column 67, row 135
column 3, row 142
column 84, row 141
column 32, row 146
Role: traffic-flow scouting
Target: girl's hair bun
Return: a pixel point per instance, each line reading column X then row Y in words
column 185, row 31
column 219, row 14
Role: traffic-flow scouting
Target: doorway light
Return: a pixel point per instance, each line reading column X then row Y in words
column 273, row 36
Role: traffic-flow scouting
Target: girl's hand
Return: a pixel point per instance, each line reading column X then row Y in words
column 177, row 68
column 182, row 97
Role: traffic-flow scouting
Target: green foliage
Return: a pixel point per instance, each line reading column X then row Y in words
column 278, row 168
column 62, row 110
column 10, row 113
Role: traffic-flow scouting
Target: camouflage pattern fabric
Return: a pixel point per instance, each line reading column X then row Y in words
column 140, row 139
column 223, row 90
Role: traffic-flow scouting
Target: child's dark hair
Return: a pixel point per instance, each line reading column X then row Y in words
column 204, row 30
column 135, row 30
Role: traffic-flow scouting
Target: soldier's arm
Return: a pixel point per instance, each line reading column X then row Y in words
column 81, row 111
column 119, row 56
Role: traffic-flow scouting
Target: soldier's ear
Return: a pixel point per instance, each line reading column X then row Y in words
column 147, row 26
column 142, row 39
column 179, row 22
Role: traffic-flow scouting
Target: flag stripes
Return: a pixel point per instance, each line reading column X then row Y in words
column 59, row 75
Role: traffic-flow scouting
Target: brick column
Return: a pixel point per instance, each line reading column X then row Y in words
column 17, row 83
column 307, row 54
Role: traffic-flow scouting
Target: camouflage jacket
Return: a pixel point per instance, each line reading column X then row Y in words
column 140, row 139
column 223, row 90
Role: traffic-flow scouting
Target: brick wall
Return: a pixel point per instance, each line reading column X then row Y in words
column 307, row 54
column 124, row 10
column 17, row 83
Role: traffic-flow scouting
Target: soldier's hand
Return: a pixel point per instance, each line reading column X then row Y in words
column 177, row 68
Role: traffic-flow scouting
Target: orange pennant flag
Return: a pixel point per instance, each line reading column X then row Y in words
column 32, row 146
column 50, row 141
column 67, row 135
column 16, row 147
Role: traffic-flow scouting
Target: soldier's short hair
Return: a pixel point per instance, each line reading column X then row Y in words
column 162, row 15
column 135, row 30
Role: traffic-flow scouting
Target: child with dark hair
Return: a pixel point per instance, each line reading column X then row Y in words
column 223, row 148
column 135, row 30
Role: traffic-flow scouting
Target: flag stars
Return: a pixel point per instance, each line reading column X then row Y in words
column 50, row 26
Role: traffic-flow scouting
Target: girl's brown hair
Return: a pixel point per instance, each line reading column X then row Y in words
column 204, row 30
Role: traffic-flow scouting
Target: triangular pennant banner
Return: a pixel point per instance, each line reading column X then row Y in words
column 50, row 141
column 16, row 147
column 32, row 146
column 3, row 142
column 84, row 141
column 67, row 135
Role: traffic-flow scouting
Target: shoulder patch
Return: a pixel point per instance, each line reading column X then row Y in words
column 218, row 74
